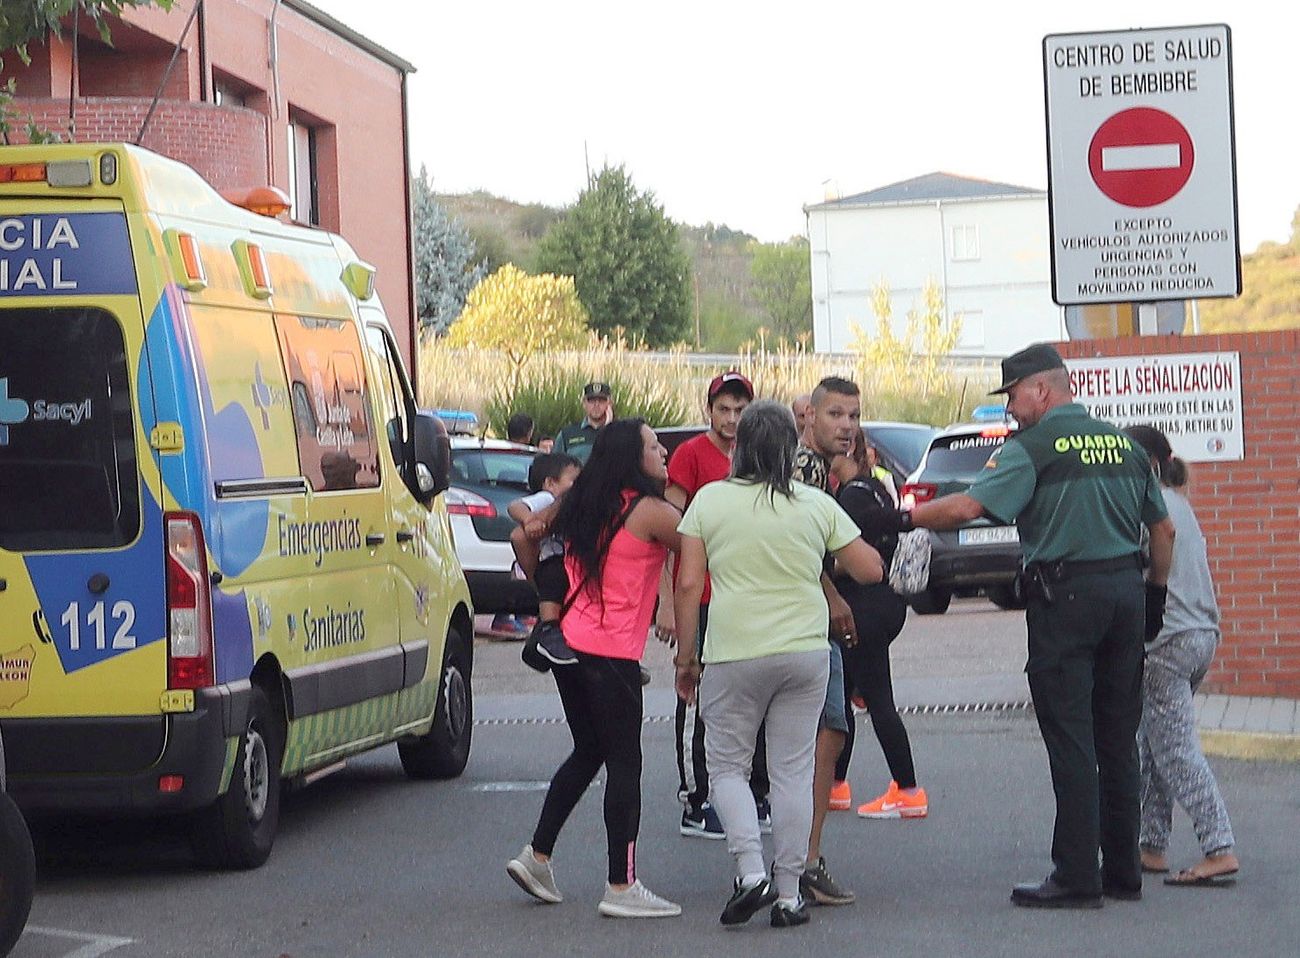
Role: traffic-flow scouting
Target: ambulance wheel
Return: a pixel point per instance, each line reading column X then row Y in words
column 931, row 601
column 443, row 751
column 238, row 829
column 17, row 874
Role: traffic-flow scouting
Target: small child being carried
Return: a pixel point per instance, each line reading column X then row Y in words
column 541, row 556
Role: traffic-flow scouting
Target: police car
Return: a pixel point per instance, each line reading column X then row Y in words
column 983, row 555
column 486, row 476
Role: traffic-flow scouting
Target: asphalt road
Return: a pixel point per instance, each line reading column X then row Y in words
column 369, row 864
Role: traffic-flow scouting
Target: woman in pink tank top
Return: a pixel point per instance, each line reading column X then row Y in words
column 617, row 530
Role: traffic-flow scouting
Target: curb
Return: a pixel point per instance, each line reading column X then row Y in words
column 1251, row 746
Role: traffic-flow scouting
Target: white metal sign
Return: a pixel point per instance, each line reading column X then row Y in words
column 1193, row 398
column 1142, row 183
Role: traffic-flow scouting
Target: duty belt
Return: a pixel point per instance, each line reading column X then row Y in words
column 1063, row 569
column 1040, row 576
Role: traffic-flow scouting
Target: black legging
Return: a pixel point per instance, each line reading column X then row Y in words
column 878, row 616
column 602, row 704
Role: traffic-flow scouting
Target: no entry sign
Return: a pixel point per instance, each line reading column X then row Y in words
column 1141, row 157
column 1142, row 176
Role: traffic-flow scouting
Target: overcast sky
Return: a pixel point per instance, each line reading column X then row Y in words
column 736, row 115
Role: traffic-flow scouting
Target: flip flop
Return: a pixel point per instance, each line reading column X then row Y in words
column 1155, row 871
column 1189, row 879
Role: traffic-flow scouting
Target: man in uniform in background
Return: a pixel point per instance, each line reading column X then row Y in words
column 1080, row 492
column 576, row 439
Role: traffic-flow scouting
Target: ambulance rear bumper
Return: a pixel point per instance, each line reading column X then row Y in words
column 115, row 764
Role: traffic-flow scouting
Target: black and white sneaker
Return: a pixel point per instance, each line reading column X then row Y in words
column 747, row 900
column 786, row 916
column 702, row 822
column 545, row 647
column 551, row 644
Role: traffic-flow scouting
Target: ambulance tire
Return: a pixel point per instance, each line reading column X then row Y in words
column 238, row 829
column 17, row 874
column 443, row 751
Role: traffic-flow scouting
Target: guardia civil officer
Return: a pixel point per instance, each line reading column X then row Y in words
column 1080, row 491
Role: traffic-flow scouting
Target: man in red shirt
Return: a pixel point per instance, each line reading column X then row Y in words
column 703, row 459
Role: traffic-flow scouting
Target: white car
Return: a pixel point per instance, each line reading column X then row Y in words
column 486, row 476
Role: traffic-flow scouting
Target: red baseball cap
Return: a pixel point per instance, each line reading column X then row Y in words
column 731, row 376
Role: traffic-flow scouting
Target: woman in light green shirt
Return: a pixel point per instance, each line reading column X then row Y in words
column 762, row 538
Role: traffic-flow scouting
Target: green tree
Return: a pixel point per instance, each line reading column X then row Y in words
column 447, row 266
column 783, row 287
column 27, row 20
column 491, row 249
column 626, row 259
column 520, row 316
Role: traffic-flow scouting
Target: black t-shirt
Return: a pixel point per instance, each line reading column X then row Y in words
column 869, row 504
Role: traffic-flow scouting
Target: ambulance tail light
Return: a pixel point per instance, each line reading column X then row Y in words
column 189, row 605
column 22, row 173
column 918, row 492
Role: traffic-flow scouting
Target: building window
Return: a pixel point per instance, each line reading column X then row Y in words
column 304, row 196
column 971, row 334
column 227, row 96
column 965, row 242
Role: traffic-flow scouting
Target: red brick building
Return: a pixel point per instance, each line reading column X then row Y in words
column 1248, row 509
column 262, row 91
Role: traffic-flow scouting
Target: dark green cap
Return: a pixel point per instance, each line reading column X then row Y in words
column 1038, row 358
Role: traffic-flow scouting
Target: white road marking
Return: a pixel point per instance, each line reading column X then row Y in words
column 1152, row 156
column 95, row 945
column 512, row 787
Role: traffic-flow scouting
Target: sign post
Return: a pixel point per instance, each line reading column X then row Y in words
column 1142, row 183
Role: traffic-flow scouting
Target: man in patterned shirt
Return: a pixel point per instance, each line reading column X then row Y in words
column 834, row 418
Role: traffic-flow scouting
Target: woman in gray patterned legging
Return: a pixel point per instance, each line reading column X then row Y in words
column 1173, row 766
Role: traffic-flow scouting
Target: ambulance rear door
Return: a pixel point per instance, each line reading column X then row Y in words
column 82, row 579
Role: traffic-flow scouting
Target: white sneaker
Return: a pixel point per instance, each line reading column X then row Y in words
column 636, row 901
column 534, row 877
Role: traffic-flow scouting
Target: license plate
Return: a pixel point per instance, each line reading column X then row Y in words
column 987, row 535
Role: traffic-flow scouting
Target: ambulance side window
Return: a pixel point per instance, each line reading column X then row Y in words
column 394, row 401
column 331, row 405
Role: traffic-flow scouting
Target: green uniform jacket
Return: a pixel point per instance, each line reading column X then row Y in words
column 577, row 439
column 1077, row 487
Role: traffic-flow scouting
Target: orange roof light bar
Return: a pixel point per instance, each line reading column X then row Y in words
column 263, row 200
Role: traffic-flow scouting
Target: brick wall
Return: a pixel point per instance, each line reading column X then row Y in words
column 226, row 145
column 1249, row 510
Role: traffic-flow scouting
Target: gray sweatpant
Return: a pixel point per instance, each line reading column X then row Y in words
column 787, row 691
column 1173, row 766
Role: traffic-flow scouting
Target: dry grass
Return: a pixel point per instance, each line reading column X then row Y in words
column 670, row 387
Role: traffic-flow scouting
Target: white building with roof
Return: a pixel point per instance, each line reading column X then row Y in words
column 985, row 245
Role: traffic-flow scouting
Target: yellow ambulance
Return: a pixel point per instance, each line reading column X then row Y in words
column 225, row 562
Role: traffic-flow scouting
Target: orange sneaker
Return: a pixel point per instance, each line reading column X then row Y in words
column 841, row 797
column 897, row 803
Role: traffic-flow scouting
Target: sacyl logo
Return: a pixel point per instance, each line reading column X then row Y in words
column 12, row 411
column 15, row 411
